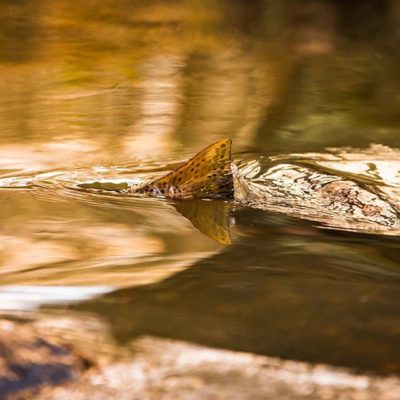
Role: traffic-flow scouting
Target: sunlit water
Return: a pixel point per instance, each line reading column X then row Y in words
column 96, row 97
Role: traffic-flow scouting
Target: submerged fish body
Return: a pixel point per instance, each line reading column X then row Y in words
column 293, row 188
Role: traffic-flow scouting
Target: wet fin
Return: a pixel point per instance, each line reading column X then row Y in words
column 210, row 217
column 206, row 175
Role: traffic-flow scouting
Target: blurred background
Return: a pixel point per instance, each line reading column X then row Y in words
column 125, row 79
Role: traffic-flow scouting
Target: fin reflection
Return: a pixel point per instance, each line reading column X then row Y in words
column 210, row 217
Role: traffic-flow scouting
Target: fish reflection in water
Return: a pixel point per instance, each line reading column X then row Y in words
column 329, row 193
column 235, row 297
column 281, row 289
column 344, row 189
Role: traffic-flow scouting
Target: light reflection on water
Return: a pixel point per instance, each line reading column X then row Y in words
column 140, row 86
column 15, row 298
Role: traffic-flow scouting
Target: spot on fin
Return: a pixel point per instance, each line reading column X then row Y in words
column 206, row 175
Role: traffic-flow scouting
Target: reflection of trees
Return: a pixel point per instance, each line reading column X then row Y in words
column 343, row 86
column 164, row 91
column 225, row 95
column 129, row 76
column 20, row 31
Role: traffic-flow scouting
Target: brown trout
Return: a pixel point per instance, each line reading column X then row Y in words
column 330, row 196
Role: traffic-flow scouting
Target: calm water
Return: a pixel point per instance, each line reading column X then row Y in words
column 97, row 90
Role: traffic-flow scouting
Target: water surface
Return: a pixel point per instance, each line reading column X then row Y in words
column 120, row 91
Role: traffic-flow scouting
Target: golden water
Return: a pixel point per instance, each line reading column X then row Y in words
column 118, row 91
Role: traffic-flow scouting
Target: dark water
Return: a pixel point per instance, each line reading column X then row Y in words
column 99, row 90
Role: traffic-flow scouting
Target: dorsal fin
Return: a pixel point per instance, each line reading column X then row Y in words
column 206, row 175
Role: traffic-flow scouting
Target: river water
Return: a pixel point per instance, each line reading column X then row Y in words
column 119, row 91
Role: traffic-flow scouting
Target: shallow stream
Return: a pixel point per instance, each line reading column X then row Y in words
column 100, row 95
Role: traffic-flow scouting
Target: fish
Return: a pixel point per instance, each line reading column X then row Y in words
column 207, row 175
column 332, row 198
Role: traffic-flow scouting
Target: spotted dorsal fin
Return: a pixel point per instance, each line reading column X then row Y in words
column 206, row 175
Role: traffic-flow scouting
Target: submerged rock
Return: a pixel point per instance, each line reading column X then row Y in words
column 31, row 359
column 170, row 370
column 36, row 365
